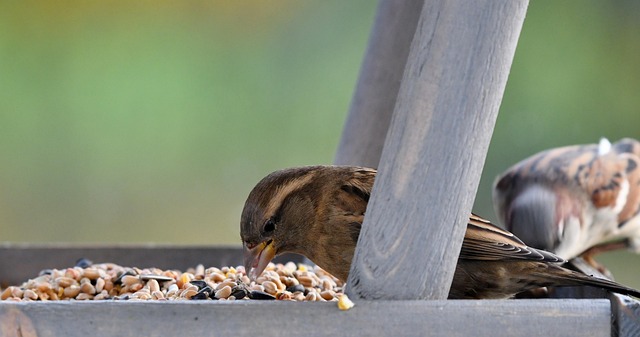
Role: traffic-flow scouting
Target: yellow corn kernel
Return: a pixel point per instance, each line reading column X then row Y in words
column 344, row 303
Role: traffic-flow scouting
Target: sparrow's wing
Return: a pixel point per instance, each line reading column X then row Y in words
column 554, row 169
column 632, row 208
column 351, row 198
column 607, row 175
column 621, row 180
column 359, row 183
column 610, row 179
column 595, row 186
column 484, row 241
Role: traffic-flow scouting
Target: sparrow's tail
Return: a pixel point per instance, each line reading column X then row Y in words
column 568, row 277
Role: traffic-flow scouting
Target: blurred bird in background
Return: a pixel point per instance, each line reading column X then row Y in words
column 576, row 200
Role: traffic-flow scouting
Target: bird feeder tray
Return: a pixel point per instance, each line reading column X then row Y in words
column 526, row 317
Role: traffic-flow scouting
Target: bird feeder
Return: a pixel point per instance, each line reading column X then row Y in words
column 423, row 113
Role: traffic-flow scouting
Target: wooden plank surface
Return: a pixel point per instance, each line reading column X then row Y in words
column 512, row 318
column 435, row 149
column 625, row 309
column 372, row 104
column 19, row 262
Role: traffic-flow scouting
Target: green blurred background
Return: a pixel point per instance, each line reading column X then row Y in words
column 151, row 122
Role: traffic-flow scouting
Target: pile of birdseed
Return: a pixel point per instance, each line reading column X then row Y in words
column 108, row 281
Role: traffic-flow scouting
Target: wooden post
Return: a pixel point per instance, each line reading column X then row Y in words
column 378, row 84
column 435, row 149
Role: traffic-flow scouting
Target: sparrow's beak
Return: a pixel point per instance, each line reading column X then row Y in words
column 257, row 257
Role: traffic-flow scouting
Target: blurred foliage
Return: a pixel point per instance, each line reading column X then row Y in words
column 151, row 121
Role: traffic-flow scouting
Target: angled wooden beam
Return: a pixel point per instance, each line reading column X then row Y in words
column 379, row 81
column 435, row 149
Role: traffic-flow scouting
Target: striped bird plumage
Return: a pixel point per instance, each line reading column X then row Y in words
column 318, row 211
column 574, row 200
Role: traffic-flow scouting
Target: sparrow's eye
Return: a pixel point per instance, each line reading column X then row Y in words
column 269, row 226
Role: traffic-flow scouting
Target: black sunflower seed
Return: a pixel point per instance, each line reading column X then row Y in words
column 259, row 295
column 159, row 278
column 128, row 272
column 295, row 288
column 45, row 272
column 203, row 295
column 239, row 292
column 83, row 263
column 199, row 283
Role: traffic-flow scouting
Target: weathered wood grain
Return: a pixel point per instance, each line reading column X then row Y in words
column 515, row 318
column 379, row 81
column 435, row 149
column 626, row 316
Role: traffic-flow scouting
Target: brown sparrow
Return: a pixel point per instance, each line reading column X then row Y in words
column 317, row 211
column 574, row 200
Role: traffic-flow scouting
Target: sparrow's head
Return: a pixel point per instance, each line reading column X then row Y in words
column 275, row 216
column 315, row 211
